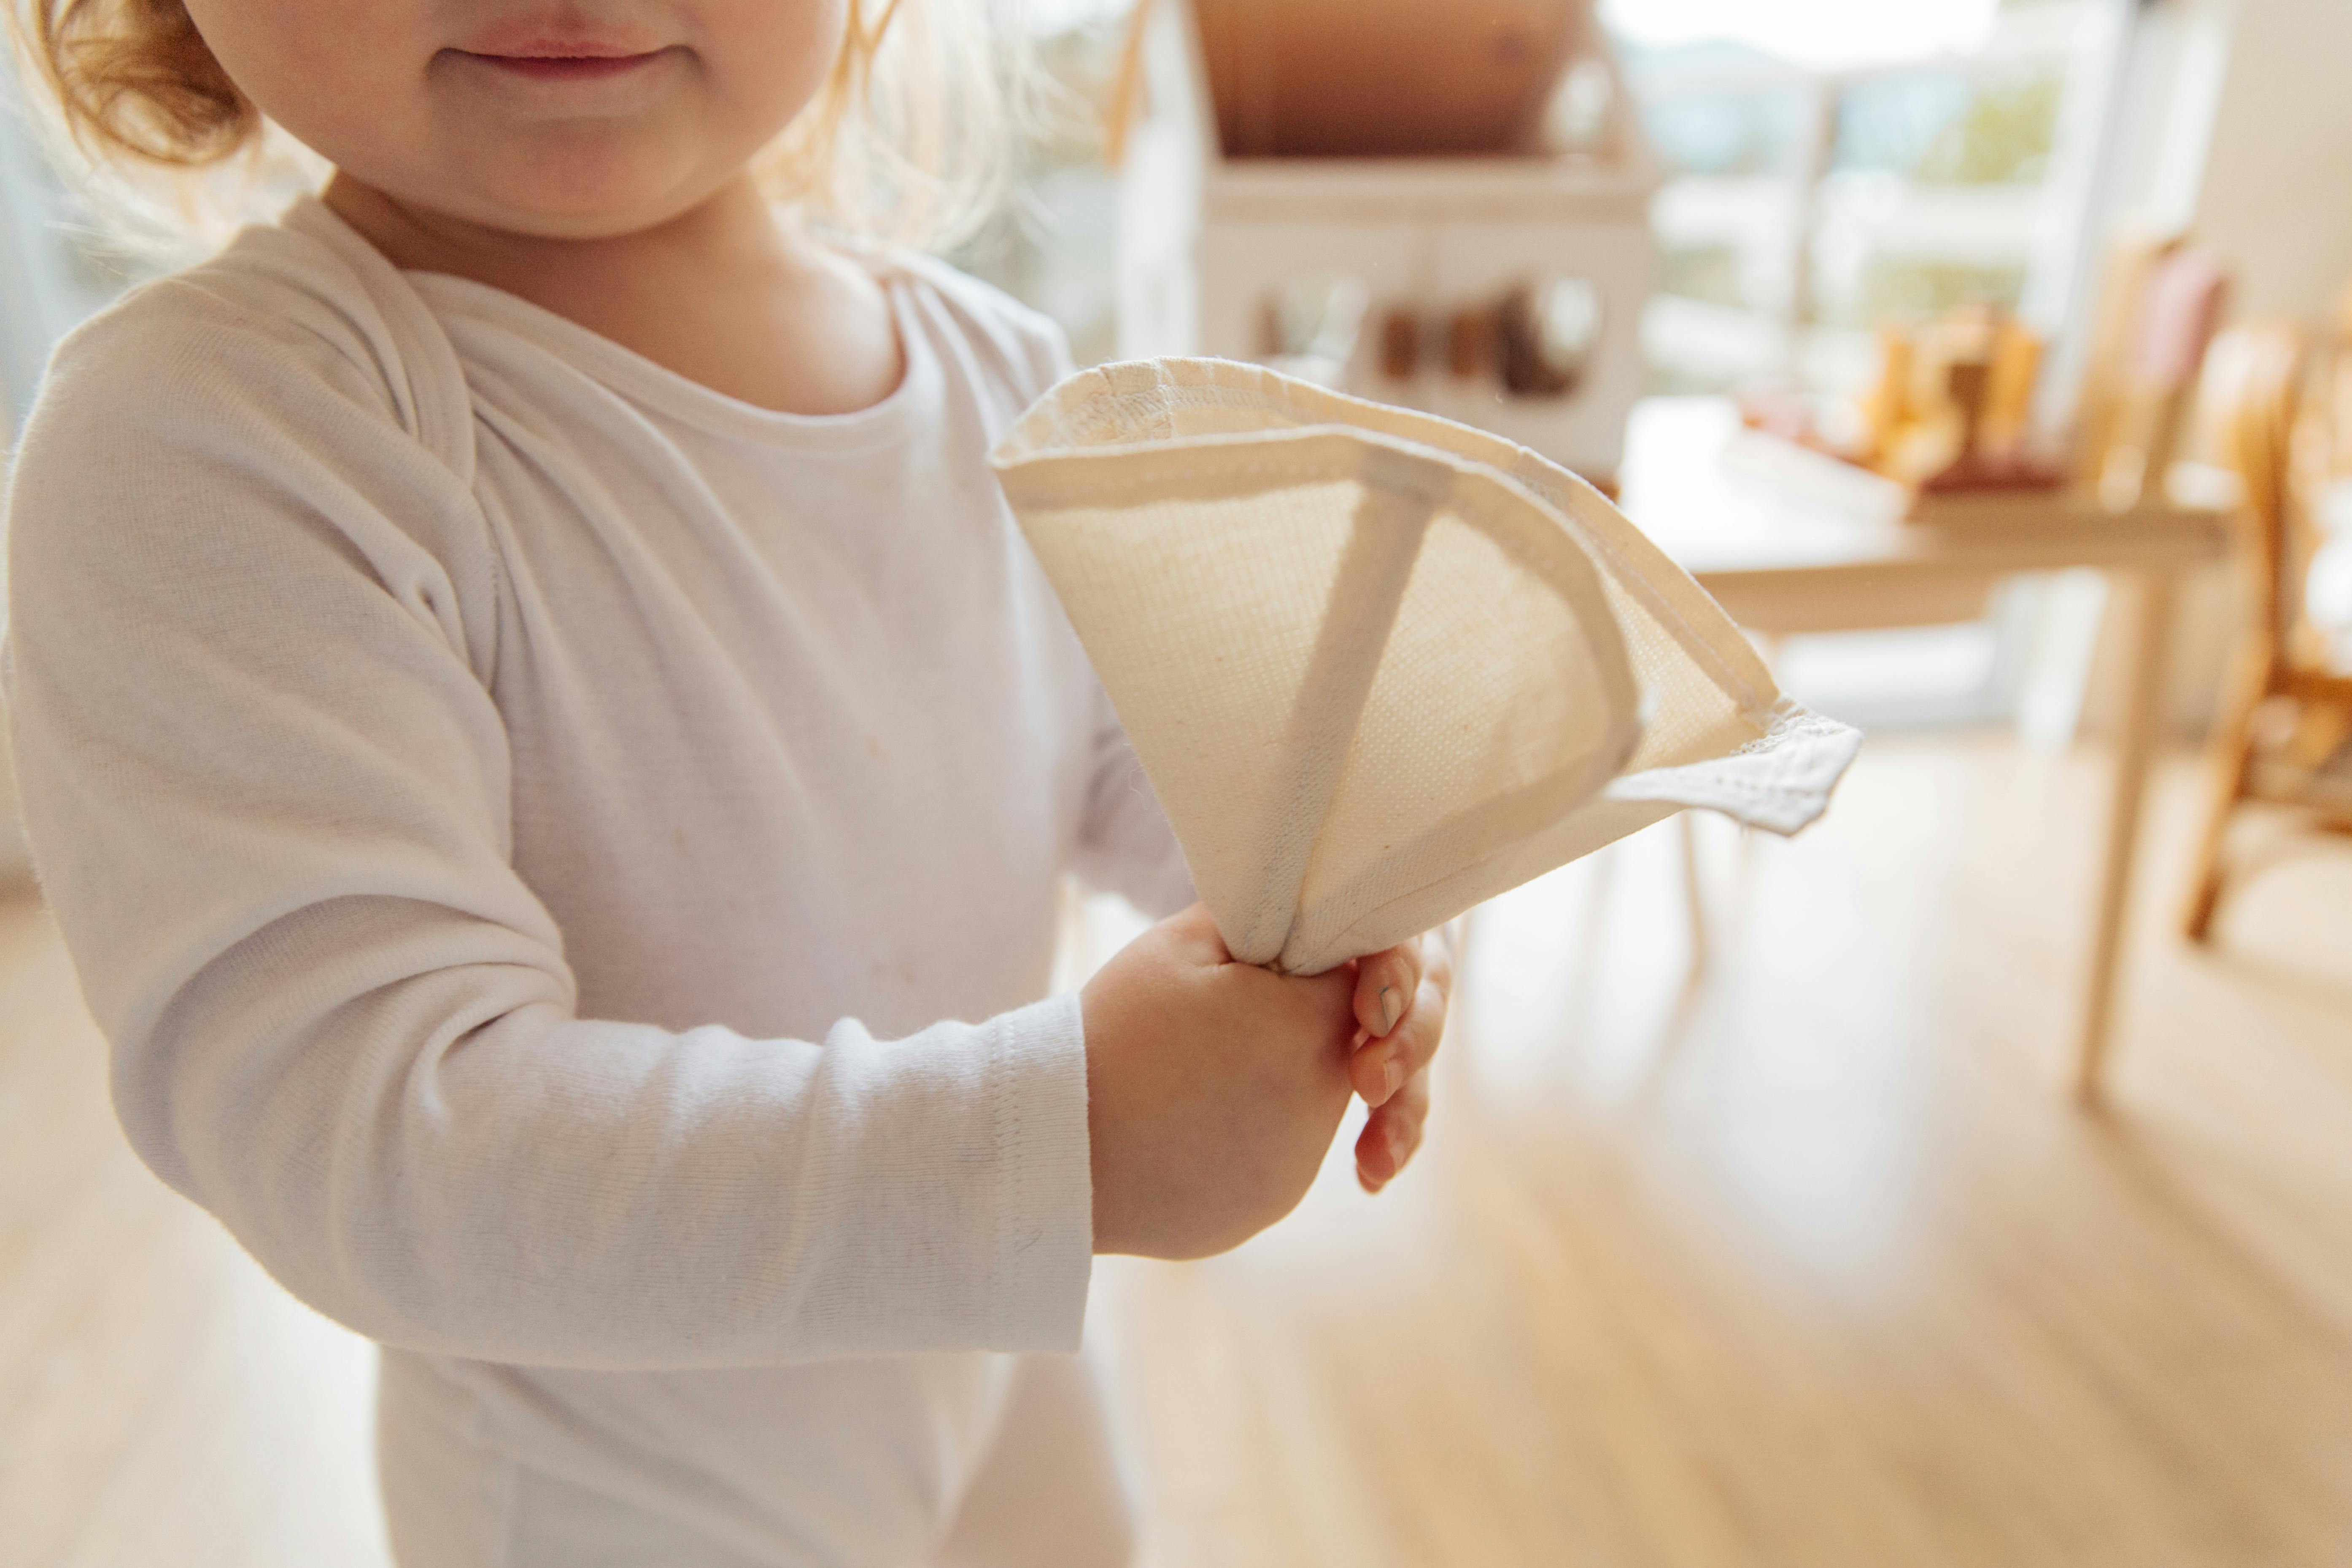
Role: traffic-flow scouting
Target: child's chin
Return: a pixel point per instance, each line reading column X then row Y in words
column 585, row 203
column 583, row 180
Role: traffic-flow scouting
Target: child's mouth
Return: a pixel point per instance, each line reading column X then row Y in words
column 570, row 67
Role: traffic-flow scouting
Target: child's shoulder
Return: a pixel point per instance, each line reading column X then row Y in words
column 287, row 324
column 1021, row 346
column 272, row 394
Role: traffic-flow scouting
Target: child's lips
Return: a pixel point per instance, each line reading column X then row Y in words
column 570, row 67
column 555, row 36
column 556, row 47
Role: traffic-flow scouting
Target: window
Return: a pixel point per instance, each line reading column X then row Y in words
column 1838, row 164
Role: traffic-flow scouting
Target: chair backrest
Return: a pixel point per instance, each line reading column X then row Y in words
column 2317, row 577
column 2107, row 373
column 2178, row 300
column 2248, row 403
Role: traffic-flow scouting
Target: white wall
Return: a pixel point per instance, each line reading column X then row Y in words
column 2237, row 124
column 2276, row 192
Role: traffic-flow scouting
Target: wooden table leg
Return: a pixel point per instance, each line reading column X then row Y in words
column 2145, row 600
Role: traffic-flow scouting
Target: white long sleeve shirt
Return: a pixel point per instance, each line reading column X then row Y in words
column 567, row 862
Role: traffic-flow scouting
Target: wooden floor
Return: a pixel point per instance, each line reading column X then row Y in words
column 1811, row 1266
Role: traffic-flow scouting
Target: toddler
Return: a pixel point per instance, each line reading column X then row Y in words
column 556, row 771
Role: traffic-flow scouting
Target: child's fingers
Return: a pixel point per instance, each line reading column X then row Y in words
column 1391, row 1135
column 1385, row 984
column 1378, row 1069
column 1437, row 962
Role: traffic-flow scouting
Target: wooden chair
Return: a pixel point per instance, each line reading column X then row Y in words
column 2284, row 732
column 2162, row 303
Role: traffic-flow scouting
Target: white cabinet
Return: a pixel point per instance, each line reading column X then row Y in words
column 1431, row 248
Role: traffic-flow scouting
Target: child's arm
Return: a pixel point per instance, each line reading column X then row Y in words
column 269, row 794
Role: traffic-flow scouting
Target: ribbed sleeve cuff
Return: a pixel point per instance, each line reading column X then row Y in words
column 1043, row 1245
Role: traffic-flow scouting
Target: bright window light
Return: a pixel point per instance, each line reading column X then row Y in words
column 1047, row 17
column 1826, row 35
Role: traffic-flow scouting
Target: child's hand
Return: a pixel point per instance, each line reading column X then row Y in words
column 1212, row 1090
column 1400, row 1004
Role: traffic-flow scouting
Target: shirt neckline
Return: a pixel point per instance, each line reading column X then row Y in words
column 666, row 391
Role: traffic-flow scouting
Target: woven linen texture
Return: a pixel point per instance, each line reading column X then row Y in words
column 1379, row 666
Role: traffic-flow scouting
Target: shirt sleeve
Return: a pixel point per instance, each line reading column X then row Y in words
column 267, row 791
column 1125, row 843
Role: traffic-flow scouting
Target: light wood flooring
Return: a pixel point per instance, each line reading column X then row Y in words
column 1813, row 1266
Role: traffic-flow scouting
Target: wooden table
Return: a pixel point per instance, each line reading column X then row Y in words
column 1829, row 552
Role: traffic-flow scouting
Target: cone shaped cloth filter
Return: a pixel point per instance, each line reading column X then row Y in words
column 1380, row 666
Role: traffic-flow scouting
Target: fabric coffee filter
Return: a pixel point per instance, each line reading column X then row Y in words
column 1381, row 666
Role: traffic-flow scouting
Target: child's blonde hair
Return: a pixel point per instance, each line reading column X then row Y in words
column 911, row 137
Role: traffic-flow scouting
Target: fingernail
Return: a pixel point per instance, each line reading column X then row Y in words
column 1396, row 1146
column 1388, row 1008
column 1392, row 1075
